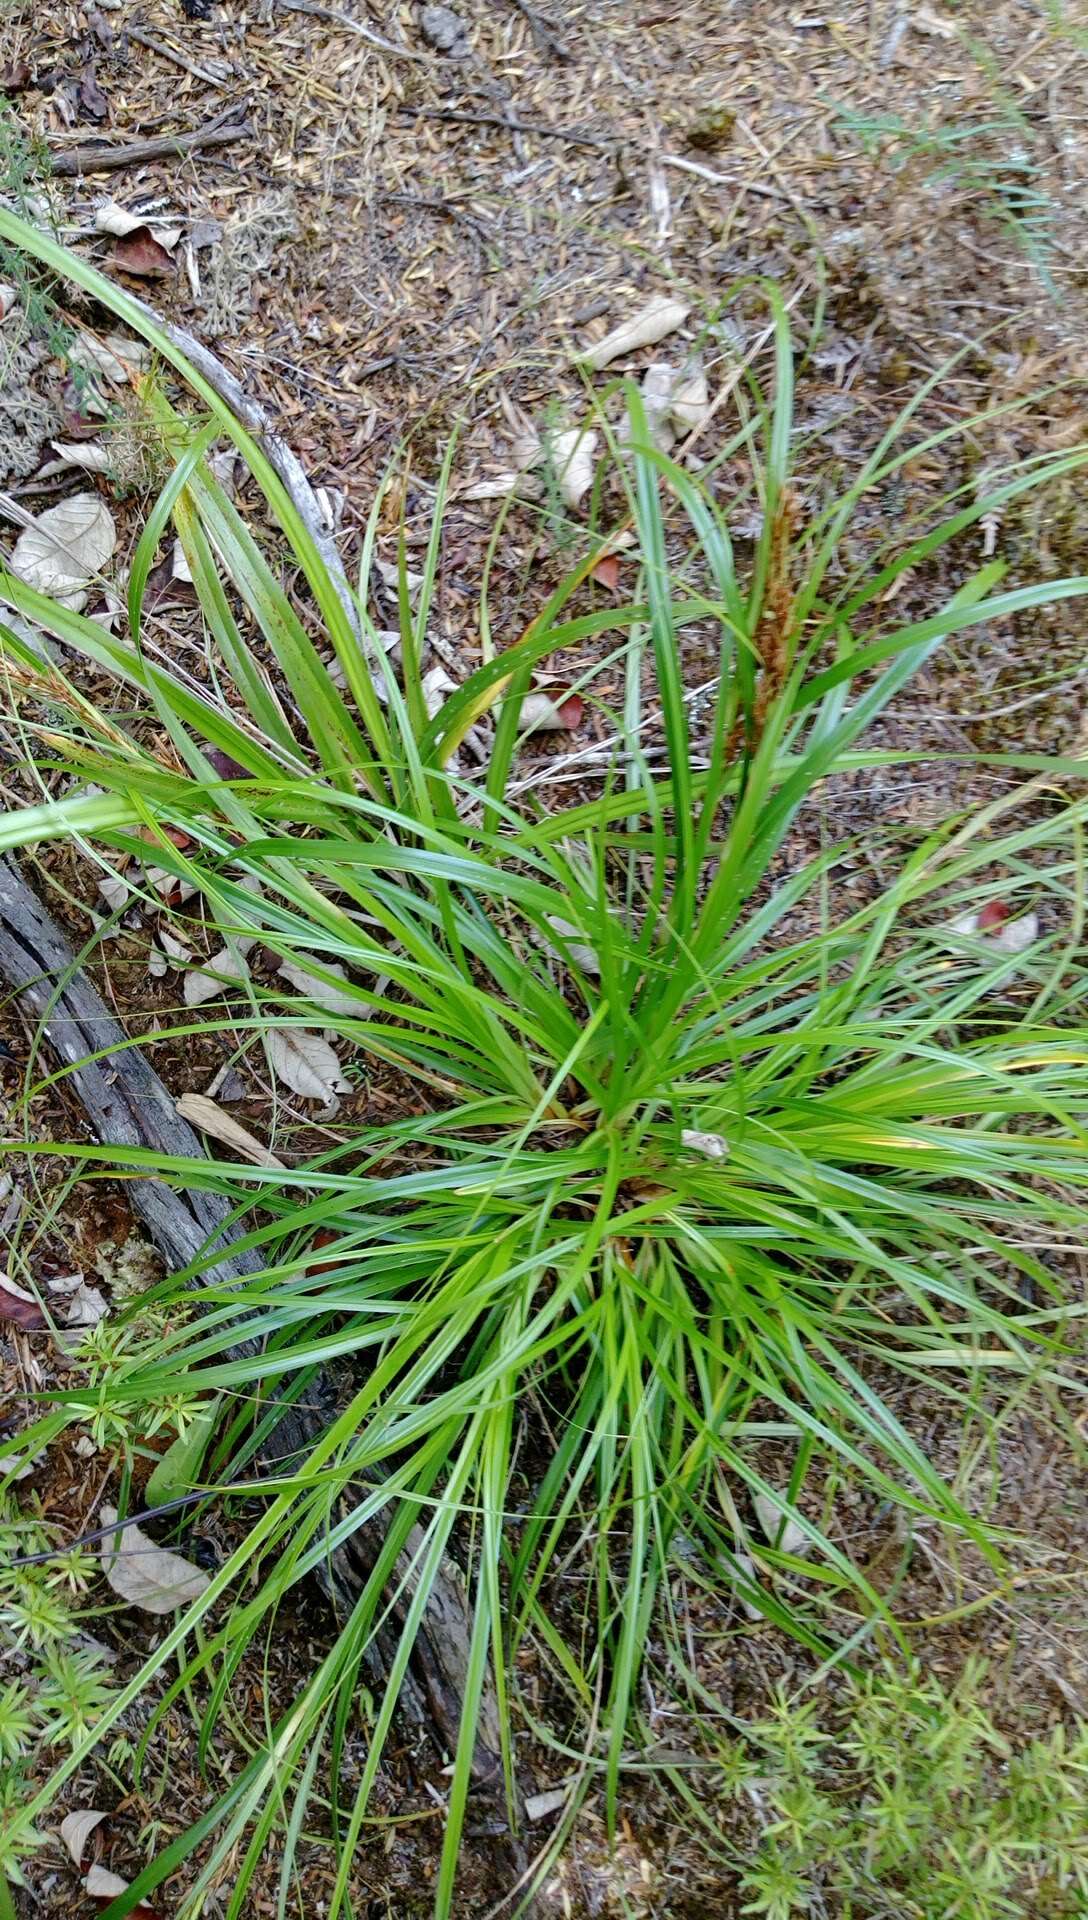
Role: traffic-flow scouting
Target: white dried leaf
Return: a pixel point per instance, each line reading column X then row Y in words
column 549, row 712
column 145, row 1575
column 101, row 1884
column 223, row 970
column 179, row 565
column 156, row 964
column 690, row 398
column 8, row 297
column 1008, row 936
column 652, row 323
column 324, row 993
column 86, row 1307
column 119, row 221
column 88, row 454
column 174, row 948
column 573, row 946
column 165, row 883
column 77, row 1828
column 223, row 467
column 712, row 1146
column 390, row 576
column 115, row 890
column 116, row 357
column 793, row 1539
column 65, row 547
column 436, row 686
column 552, row 1800
column 572, row 454
column 202, row 1112
column 658, row 385
column 306, row 1063
column 496, row 489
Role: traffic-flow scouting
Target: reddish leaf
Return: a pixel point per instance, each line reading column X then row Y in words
column 25, row 1313
column 993, row 914
column 606, row 571
column 571, row 709
column 324, row 1237
column 140, row 254
column 226, row 766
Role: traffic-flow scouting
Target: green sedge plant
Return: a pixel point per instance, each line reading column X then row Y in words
column 695, row 1149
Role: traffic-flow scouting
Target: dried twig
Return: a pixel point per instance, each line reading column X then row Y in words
column 355, row 26
column 166, row 146
column 546, row 37
column 160, row 46
column 284, row 462
column 572, row 135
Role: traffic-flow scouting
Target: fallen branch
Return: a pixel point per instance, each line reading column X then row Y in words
column 128, row 1106
column 284, row 463
column 165, row 146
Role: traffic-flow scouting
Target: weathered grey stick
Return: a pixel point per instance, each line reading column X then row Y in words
column 94, row 158
column 128, row 1106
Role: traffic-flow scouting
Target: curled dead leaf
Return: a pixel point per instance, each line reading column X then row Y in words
column 573, row 457
column 211, row 1118
column 652, row 323
column 145, row 1575
column 550, row 711
column 77, row 1828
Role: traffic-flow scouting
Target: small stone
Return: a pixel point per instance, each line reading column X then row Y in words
column 445, row 31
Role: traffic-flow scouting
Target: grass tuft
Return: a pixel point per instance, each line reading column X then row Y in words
column 697, row 1153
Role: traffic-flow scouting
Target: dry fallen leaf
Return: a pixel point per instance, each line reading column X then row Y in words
column 8, row 297
column 791, row 1538
column 87, row 454
column 116, row 357
column 572, row 946
column 20, row 1307
column 145, row 1575
column 100, row 1884
column 222, row 971
column 65, row 547
column 658, row 382
column 119, row 222
column 712, row 1146
column 539, row 1805
column 77, row 1828
column 547, row 712
column 690, row 398
column 644, row 329
column 606, row 571
column 115, row 890
column 572, row 455
column 86, row 1307
column 211, row 1118
column 306, row 1063
column 994, row 928
column 324, row 993
column 141, row 255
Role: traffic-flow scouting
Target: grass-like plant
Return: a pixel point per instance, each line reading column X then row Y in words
column 698, row 1148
